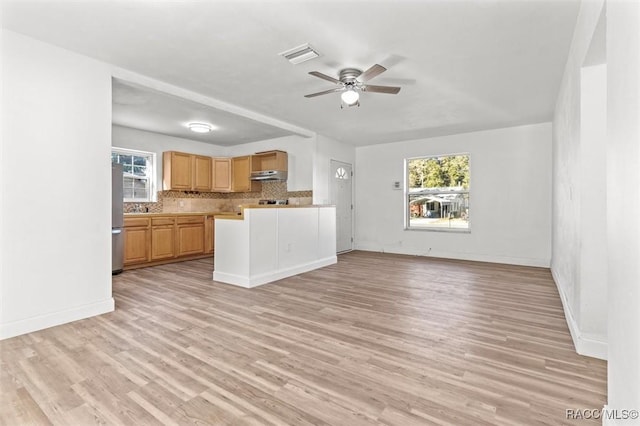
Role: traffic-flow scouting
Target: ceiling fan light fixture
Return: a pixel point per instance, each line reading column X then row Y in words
column 350, row 96
column 351, row 82
column 200, row 127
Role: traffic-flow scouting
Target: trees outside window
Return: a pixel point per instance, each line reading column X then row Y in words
column 437, row 192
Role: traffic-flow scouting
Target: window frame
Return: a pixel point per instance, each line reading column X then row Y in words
column 406, row 195
column 151, row 172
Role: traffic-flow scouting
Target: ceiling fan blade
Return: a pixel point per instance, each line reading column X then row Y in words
column 325, row 77
column 381, row 89
column 374, row 71
column 313, row 95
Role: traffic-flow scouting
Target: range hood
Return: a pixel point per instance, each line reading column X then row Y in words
column 269, row 175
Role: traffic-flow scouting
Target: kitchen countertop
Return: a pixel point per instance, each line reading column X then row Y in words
column 226, row 215
column 180, row 214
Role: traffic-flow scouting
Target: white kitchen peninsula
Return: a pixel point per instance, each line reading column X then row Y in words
column 266, row 243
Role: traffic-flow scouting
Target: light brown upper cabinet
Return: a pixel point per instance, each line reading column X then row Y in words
column 241, row 175
column 269, row 160
column 186, row 172
column 201, row 173
column 221, row 175
column 176, row 170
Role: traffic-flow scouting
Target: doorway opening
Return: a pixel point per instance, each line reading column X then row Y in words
column 341, row 195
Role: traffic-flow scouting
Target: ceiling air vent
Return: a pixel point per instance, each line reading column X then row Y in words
column 300, row 54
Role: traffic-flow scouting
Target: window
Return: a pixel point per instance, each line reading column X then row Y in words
column 138, row 166
column 341, row 173
column 437, row 192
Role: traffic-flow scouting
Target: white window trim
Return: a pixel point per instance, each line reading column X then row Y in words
column 407, row 210
column 151, row 171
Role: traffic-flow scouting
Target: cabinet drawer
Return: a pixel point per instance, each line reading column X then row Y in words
column 130, row 222
column 182, row 220
column 157, row 221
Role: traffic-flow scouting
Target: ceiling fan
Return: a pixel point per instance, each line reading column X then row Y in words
column 351, row 81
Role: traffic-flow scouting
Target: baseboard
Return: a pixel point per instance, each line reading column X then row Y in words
column 225, row 278
column 507, row 260
column 41, row 322
column 257, row 280
column 583, row 343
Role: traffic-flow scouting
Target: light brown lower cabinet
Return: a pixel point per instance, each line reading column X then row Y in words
column 209, row 234
column 136, row 240
column 163, row 239
column 190, row 235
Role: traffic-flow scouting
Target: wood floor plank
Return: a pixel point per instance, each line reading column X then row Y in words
column 18, row 407
column 376, row 339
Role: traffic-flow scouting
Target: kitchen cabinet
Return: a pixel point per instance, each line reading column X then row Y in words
column 221, row 181
column 176, row 171
column 209, row 230
column 269, row 160
column 162, row 238
column 186, row 172
column 241, row 175
column 201, row 173
column 190, row 235
column 137, row 240
column 155, row 239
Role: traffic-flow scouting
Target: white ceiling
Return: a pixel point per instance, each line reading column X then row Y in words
column 142, row 108
column 463, row 65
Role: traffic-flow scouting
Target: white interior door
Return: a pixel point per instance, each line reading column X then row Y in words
column 341, row 196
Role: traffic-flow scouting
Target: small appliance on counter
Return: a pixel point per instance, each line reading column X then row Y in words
column 277, row 202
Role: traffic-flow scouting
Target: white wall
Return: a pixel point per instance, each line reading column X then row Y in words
column 510, row 197
column 579, row 260
column 56, row 242
column 328, row 149
column 593, row 205
column 1, row 180
column 301, row 153
column 623, row 198
column 125, row 137
column 575, row 149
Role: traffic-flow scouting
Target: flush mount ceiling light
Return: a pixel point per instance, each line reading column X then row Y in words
column 300, row 54
column 200, row 127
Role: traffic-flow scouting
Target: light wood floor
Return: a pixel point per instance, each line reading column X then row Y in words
column 375, row 339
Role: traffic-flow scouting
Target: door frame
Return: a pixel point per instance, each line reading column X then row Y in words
column 332, row 161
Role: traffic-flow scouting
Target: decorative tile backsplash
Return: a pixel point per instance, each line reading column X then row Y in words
column 179, row 201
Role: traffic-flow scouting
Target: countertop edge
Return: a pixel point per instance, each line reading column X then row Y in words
column 240, row 216
column 172, row 214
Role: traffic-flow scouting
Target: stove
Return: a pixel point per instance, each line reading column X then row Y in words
column 277, row 202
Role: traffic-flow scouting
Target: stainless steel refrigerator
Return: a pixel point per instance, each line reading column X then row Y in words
column 117, row 220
